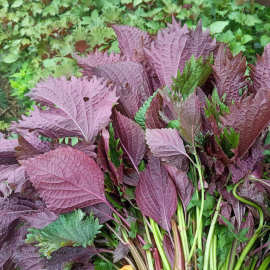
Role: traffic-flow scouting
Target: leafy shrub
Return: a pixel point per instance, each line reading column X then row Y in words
column 42, row 35
column 158, row 191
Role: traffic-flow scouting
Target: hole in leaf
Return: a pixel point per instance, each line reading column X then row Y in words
column 85, row 99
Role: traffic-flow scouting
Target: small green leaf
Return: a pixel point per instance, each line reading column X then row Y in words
column 174, row 124
column 228, row 140
column 115, row 151
column 264, row 40
column 218, row 26
column 17, row 3
column 133, row 229
column 147, row 246
column 195, row 73
column 140, row 115
column 72, row 229
column 252, row 19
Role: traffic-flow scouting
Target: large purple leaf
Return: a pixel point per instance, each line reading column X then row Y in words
column 131, row 137
column 260, row 73
column 167, row 144
column 249, row 118
column 156, row 194
column 7, row 151
column 132, row 84
column 132, row 41
column 190, row 118
column 52, row 123
column 166, row 53
column 229, row 74
column 66, row 179
column 199, row 43
column 85, row 105
column 184, row 186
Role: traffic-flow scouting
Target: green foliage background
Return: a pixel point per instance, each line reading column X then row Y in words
column 39, row 37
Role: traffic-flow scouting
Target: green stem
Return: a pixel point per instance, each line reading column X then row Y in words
column 265, row 263
column 199, row 222
column 182, row 229
column 159, row 244
column 210, row 235
column 213, row 253
column 257, row 232
column 232, row 255
column 148, row 252
column 135, row 253
column 254, row 263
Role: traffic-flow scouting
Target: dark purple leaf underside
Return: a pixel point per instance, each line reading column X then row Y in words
column 66, row 179
column 229, row 74
column 131, row 137
column 156, row 194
